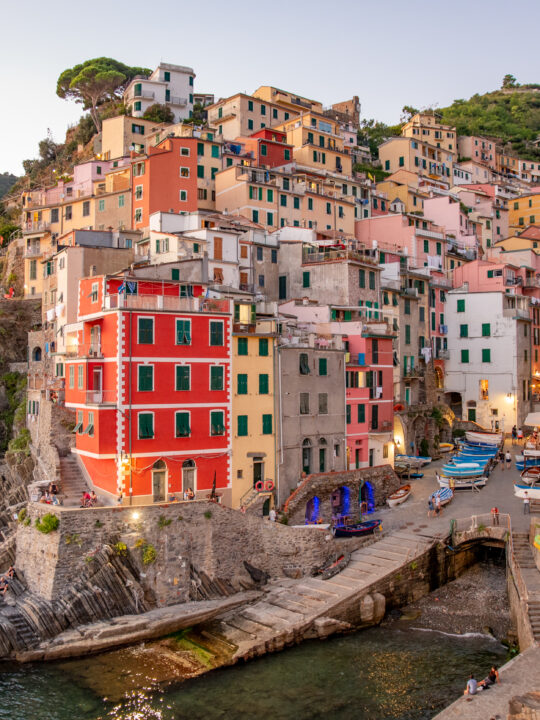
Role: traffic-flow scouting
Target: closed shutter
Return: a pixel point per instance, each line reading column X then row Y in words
column 263, row 384
column 146, row 425
column 216, row 378
column 216, row 333
column 183, row 377
column 182, row 424
column 183, row 332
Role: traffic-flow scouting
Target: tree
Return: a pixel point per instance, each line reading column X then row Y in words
column 159, row 113
column 95, row 82
column 509, row 81
column 407, row 111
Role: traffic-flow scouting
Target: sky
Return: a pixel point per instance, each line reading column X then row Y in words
column 389, row 53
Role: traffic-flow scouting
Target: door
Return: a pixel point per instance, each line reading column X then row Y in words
column 306, row 459
column 257, row 472
column 371, row 457
column 322, row 460
column 357, row 458
column 471, row 414
column 96, row 385
column 158, row 485
column 188, row 476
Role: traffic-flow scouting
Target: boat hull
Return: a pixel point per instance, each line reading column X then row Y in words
column 365, row 528
column 399, row 496
column 461, row 483
column 445, row 494
column 485, row 438
column 461, row 471
column 533, row 491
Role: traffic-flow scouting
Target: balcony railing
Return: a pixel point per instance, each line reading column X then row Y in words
column 382, row 427
column 145, row 94
column 165, row 302
column 84, row 350
column 32, row 227
column 32, row 252
column 443, row 354
column 177, row 101
column 100, row 397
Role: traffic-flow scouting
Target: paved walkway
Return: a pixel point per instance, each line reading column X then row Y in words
column 498, row 492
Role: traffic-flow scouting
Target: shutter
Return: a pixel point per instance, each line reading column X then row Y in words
column 182, row 424
column 267, row 424
column 182, row 377
column 242, row 384
column 263, row 384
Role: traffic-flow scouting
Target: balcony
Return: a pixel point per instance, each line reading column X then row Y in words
column 429, row 233
column 33, row 252
column 309, row 256
column 146, row 94
column 165, row 302
column 443, row 354
column 443, row 329
column 100, row 397
column 517, row 313
column 35, row 227
column 415, row 372
column 381, row 428
column 85, row 350
column 173, row 100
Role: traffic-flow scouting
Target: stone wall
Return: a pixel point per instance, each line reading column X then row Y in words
column 210, row 538
column 525, row 707
column 382, row 478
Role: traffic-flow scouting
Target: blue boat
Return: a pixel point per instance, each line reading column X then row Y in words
column 479, row 450
column 457, row 460
column 364, row 528
column 463, row 470
column 444, row 493
column 531, row 462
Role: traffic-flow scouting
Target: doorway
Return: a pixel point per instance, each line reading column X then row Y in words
column 159, row 481
column 97, row 385
column 322, row 455
column 371, row 457
column 367, row 498
column 312, row 510
column 306, row 456
column 188, row 475
column 258, row 471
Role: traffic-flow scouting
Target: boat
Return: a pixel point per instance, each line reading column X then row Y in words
column 446, row 447
column 463, row 470
column 399, row 496
column 479, row 449
column 457, row 460
column 527, row 461
column 532, row 490
column 487, row 438
column 445, row 494
column 530, row 475
column 461, row 483
column 332, row 567
column 416, row 475
column 364, row 528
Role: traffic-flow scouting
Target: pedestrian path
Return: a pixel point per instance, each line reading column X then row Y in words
column 292, row 608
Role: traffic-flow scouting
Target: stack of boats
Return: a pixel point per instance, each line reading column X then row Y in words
column 410, row 465
column 470, row 467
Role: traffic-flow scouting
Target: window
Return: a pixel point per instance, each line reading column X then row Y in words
column 259, row 254
column 263, row 347
column 255, row 216
column 304, row 403
column 138, row 215
column 286, row 154
column 200, row 149
column 146, row 331
column 184, row 172
column 263, row 109
column 486, row 329
column 72, row 377
column 215, row 151
column 306, row 279
column 267, row 424
column 273, row 255
column 328, row 208
column 304, row 364
column 181, row 425
column 250, row 124
column 263, row 384
column 33, row 269
column 145, row 380
column 80, row 419
column 242, row 384
column 242, row 426
column 361, row 409
column 486, row 355
column 89, row 429
column 185, row 152
column 407, row 309
column 439, row 248
column 348, row 413
column 216, row 377
column 463, row 331
column 464, row 356
column 146, row 426
column 371, row 280
column 283, row 200
column 243, row 346
column 362, row 278
column 401, row 161
column 200, row 171
column 85, row 209
column 101, row 205
column 323, row 403
column 175, row 274
column 264, row 149
column 296, row 203
column 217, row 422
column 323, row 366
column 183, row 377
column 138, row 106
column 216, row 333
column 407, row 334
column 121, row 201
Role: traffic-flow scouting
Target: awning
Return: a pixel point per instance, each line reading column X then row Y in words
column 533, row 419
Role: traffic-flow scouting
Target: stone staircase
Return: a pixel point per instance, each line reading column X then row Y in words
column 529, row 572
column 72, row 481
column 294, row 609
column 523, row 551
column 534, row 618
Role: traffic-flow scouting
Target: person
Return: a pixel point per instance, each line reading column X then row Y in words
column 46, row 498
column 520, row 435
column 243, row 509
column 272, row 515
column 431, row 509
column 495, row 515
column 4, row 584
column 120, row 498
column 472, row 686
column 514, row 435
column 526, row 503
column 85, row 497
column 52, row 489
column 190, row 494
column 508, row 458
column 93, row 498
column 438, row 506
column 491, row 679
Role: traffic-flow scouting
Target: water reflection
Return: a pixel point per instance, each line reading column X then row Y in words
column 379, row 674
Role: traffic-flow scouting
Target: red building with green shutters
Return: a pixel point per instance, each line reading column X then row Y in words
column 148, row 374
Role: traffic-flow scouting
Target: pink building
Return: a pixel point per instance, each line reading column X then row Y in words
column 449, row 214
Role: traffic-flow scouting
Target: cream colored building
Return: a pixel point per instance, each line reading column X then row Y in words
column 418, row 157
column 426, row 126
column 122, row 135
column 241, row 115
column 287, row 99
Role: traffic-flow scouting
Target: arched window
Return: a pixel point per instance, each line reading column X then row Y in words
column 36, row 354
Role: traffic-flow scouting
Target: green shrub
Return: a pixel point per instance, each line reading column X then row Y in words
column 48, row 523
column 27, row 522
column 208, row 514
column 21, row 517
column 98, row 524
column 458, row 432
column 163, row 522
column 284, row 520
column 149, row 554
column 120, row 549
column 73, row 540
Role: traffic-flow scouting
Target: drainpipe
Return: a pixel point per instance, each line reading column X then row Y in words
column 280, row 422
column 129, row 420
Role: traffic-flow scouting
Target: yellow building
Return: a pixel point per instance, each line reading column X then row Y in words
column 523, row 211
column 123, row 134
column 253, row 407
column 241, row 115
column 417, row 156
column 37, row 244
column 287, row 99
column 427, row 127
column 412, row 199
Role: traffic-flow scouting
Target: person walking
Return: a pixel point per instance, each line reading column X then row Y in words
column 520, row 435
column 526, row 503
column 514, row 435
column 508, row 459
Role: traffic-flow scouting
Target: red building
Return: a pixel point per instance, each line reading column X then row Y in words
column 369, row 395
column 148, row 375
column 269, row 148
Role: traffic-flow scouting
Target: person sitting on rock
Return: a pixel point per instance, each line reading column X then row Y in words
column 93, row 498
column 491, row 679
column 4, row 584
column 472, row 686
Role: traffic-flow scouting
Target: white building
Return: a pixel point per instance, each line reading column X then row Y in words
column 489, row 348
column 170, row 85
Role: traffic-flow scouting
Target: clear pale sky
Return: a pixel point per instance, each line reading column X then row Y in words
column 389, row 53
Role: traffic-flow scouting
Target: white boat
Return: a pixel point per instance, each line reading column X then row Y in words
column 487, row 438
column 399, row 496
column 533, row 490
column 461, row 483
column 463, row 470
column 530, row 475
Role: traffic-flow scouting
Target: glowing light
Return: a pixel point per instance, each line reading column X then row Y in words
column 135, row 515
column 509, row 397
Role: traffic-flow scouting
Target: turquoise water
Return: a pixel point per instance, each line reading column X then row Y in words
column 384, row 673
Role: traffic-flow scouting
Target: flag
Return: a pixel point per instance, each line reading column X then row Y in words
column 122, row 288
column 371, row 177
